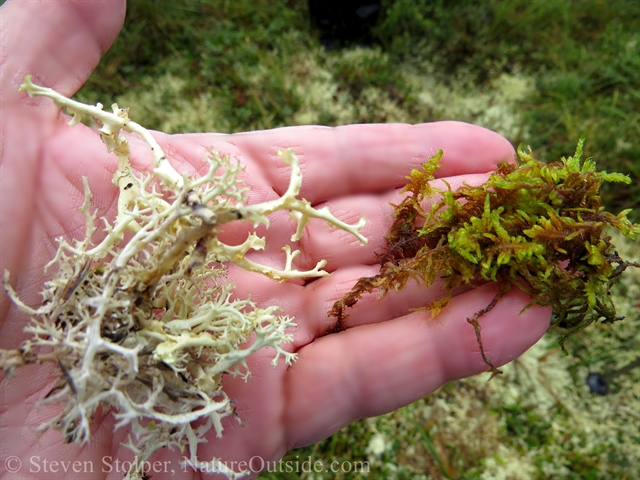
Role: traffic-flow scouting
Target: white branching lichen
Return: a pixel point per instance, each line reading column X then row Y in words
column 144, row 322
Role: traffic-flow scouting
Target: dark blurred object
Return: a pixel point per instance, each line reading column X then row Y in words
column 344, row 22
column 599, row 383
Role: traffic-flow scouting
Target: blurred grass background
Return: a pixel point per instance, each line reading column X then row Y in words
column 541, row 73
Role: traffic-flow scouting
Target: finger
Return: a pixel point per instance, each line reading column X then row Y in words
column 374, row 369
column 321, row 241
column 370, row 158
column 371, row 308
column 59, row 43
column 341, row 249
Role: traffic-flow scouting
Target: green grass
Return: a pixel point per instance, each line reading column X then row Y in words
column 541, row 72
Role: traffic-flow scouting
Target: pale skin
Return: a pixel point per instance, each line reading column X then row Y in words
column 386, row 358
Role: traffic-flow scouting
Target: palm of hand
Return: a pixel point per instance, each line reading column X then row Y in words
column 391, row 359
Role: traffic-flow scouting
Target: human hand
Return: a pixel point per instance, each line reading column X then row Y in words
column 386, row 358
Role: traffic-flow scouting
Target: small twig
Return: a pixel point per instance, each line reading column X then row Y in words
column 504, row 289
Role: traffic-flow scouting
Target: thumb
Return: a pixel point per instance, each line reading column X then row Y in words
column 59, row 42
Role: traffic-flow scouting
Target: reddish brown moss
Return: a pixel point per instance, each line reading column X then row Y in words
column 539, row 227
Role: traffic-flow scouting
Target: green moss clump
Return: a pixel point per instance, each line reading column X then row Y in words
column 535, row 226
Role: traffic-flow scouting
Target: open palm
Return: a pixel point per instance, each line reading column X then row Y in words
column 387, row 356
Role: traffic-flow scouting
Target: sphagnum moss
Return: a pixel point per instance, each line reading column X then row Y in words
column 538, row 227
column 145, row 324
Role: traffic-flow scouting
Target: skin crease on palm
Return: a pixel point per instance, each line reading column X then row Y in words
column 386, row 358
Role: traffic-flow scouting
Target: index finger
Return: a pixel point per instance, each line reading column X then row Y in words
column 370, row 158
column 59, row 43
